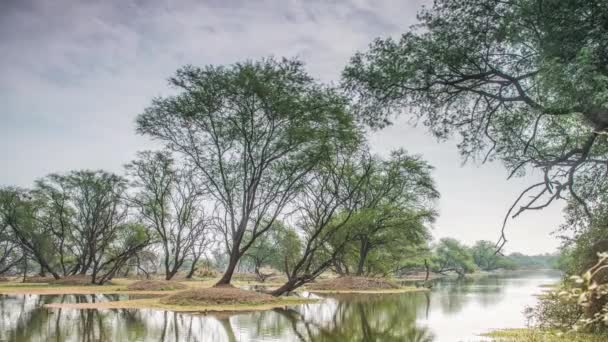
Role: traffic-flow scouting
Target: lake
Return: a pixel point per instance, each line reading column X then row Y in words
column 455, row 310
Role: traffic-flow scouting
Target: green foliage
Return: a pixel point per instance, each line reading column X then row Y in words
column 169, row 201
column 590, row 236
column 288, row 248
column 541, row 261
column 391, row 219
column 581, row 303
column 486, row 258
column 19, row 212
column 523, row 81
column 74, row 223
column 253, row 130
column 449, row 255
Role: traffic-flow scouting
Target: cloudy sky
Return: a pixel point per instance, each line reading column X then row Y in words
column 74, row 75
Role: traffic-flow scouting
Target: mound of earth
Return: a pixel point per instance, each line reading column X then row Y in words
column 245, row 277
column 4, row 280
column 353, row 283
column 217, row 296
column 156, row 285
column 78, row 280
column 38, row 279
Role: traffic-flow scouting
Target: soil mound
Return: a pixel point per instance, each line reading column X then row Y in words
column 38, row 279
column 245, row 277
column 78, row 280
column 218, row 296
column 353, row 283
column 156, row 285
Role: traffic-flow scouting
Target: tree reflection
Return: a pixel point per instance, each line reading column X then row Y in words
column 453, row 294
column 382, row 317
column 364, row 318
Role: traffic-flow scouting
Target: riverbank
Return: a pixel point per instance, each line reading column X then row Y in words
column 537, row 335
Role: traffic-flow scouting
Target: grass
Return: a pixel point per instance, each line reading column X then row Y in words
column 537, row 335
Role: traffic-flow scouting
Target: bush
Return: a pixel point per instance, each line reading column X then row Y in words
column 554, row 312
column 580, row 304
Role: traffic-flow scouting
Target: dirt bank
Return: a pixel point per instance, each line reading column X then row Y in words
column 353, row 283
column 217, row 296
column 156, row 285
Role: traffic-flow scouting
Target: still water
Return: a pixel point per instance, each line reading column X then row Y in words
column 453, row 311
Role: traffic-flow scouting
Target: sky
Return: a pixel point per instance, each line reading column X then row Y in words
column 75, row 74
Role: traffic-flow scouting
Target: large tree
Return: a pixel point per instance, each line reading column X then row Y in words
column 522, row 81
column 253, row 130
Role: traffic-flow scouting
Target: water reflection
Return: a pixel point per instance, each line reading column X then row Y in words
column 362, row 318
column 455, row 310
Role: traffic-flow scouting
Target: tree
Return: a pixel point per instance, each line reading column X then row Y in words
column 396, row 202
column 170, row 202
column 19, row 212
column 10, row 253
column 484, row 256
column 452, row 256
column 264, row 251
column 253, row 131
column 323, row 208
column 93, row 216
column 511, row 79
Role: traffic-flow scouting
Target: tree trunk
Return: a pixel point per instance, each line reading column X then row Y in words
column 289, row 286
column 227, row 277
column 192, row 270
column 24, row 268
column 169, row 275
column 44, row 267
column 338, row 268
column 362, row 256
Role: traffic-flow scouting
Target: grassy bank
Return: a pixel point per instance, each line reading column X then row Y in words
column 537, row 335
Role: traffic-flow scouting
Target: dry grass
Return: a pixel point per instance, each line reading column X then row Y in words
column 38, row 279
column 217, row 296
column 75, row 280
column 246, row 277
column 353, row 284
column 156, row 285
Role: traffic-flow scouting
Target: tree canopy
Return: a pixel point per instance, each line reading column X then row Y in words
column 511, row 79
column 253, row 130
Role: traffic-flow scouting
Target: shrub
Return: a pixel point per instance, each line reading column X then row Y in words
column 580, row 304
